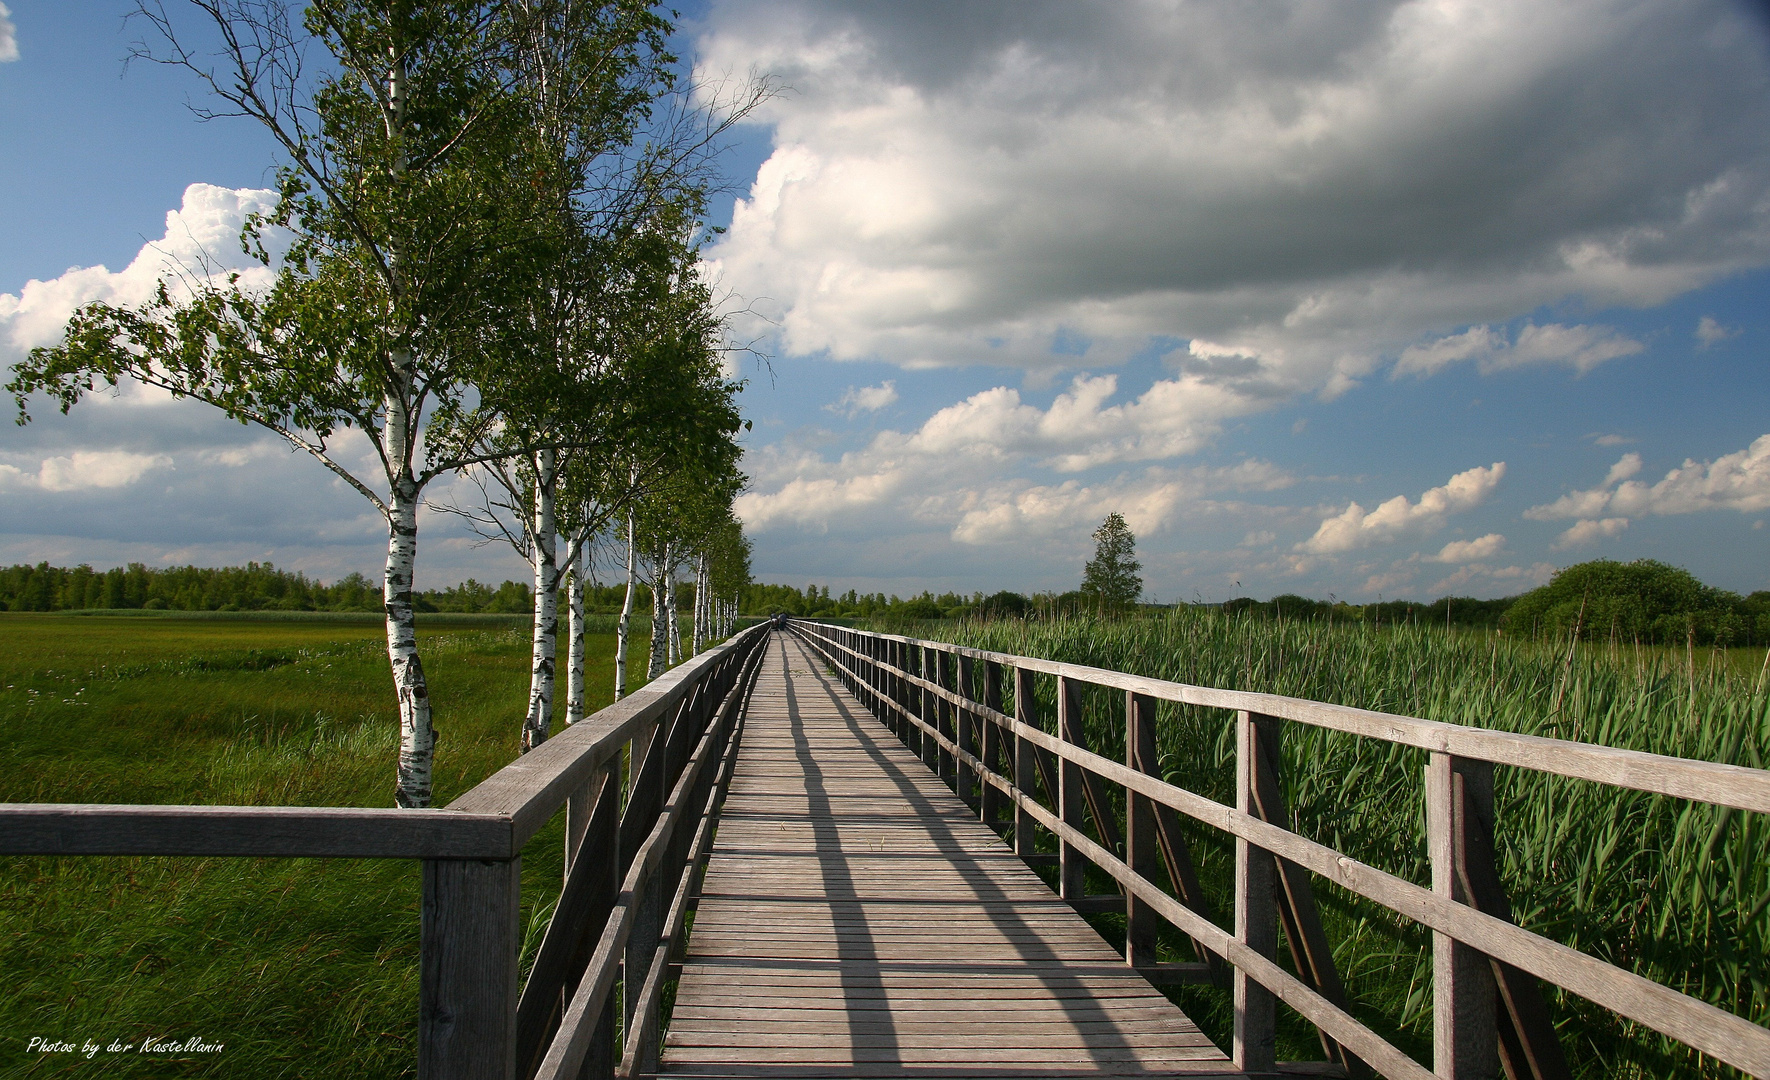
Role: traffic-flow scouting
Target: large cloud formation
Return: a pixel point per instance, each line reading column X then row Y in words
column 939, row 472
column 1310, row 187
column 202, row 240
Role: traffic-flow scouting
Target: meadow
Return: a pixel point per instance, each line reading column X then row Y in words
column 1676, row 891
column 296, row 967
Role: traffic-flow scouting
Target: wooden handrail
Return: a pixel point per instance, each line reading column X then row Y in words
column 470, row 937
column 566, row 1054
column 307, row 832
column 531, row 789
column 1736, row 786
column 858, row 658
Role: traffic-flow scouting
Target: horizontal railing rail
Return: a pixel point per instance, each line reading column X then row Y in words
column 951, row 704
column 629, row 777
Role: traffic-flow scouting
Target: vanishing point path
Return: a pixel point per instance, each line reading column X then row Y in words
column 857, row 920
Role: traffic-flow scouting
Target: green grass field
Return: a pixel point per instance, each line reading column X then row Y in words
column 296, row 967
column 1679, row 892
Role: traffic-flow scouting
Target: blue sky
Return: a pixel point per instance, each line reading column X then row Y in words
column 1361, row 299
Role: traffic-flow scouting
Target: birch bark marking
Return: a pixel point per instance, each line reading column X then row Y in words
column 700, row 604
column 543, row 538
column 417, row 741
column 674, row 626
column 574, row 671
column 621, row 631
column 417, row 736
column 660, row 628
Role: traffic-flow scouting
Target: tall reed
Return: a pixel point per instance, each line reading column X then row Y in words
column 1675, row 891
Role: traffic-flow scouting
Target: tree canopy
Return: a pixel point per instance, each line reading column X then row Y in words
column 1111, row 578
column 479, row 196
column 1644, row 600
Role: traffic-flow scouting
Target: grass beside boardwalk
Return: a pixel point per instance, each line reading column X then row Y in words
column 1679, row 892
column 297, row 967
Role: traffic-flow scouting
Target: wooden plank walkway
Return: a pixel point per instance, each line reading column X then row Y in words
column 857, row 920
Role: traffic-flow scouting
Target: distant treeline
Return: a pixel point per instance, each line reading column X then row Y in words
column 1444, row 611
column 257, row 587
column 1644, row 601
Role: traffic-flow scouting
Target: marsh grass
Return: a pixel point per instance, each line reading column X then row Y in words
column 297, row 967
column 1677, row 891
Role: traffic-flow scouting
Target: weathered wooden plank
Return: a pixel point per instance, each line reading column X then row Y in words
column 315, row 832
column 1311, row 955
column 581, row 911
column 1256, row 912
column 468, row 942
column 901, row 929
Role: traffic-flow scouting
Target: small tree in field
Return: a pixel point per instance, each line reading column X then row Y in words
column 1110, row 577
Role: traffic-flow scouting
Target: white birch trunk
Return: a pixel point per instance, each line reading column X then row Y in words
column 417, row 735
column 660, row 619
column 700, row 605
column 574, row 672
column 621, row 628
column 543, row 538
column 675, row 628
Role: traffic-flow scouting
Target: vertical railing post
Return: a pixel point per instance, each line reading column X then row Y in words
column 1069, row 790
column 1140, row 829
column 924, row 710
column 1465, row 1035
column 649, row 790
column 945, row 719
column 965, row 723
column 900, row 692
column 592, row 834
column 1024, row 766
column 468, row 942
column 1256, row 907
column 989, row 806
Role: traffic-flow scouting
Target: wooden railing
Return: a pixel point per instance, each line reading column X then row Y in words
column 640, row 780
column 972, row 716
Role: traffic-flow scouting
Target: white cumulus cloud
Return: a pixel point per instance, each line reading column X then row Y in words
column 8, row 36
column 83, row 470
column 957, row 467
column 1355, row 528
column 202, row 238
column 1150, row 503
column 1737, row 481
column 858, row 399
column 1477, row 550
column 1591, row 530
column 1711, row 332
column 1580, row 347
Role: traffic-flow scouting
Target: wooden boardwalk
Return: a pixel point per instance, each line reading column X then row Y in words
column 857, row 920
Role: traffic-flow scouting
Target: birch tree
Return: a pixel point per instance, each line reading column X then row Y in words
column 647, row 399
column 402, row 152
column 629, row 207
